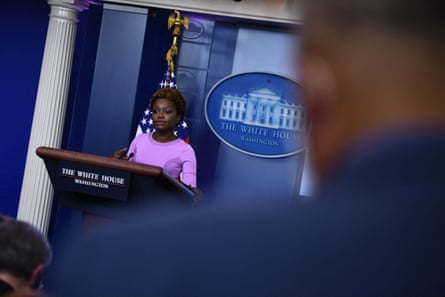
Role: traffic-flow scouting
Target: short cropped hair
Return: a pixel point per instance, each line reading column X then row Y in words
column 22, row 248
column 173, row 95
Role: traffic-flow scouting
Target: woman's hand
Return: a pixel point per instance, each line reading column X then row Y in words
column 120, row 154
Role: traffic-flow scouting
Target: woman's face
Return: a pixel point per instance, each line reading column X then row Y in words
column 165, row 116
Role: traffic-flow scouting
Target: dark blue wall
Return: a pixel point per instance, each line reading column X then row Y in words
column 23, row 25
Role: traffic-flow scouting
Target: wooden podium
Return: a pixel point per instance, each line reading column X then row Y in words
column 111, row 188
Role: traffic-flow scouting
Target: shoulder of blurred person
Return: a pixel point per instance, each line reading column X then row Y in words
column 303, row 248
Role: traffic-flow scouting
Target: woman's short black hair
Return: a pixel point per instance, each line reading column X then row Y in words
column 174, row 96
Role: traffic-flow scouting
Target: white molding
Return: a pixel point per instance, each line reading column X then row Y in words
column 79, row 5
column 277, row 11
column 126, row 8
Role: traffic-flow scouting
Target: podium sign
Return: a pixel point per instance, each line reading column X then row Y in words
column 92, row 180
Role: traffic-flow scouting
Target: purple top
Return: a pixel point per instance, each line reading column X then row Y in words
column 176, row 157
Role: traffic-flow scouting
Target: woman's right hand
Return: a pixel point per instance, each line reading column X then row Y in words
column 120, row 154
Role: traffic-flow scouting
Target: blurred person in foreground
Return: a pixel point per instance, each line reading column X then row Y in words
column 24, row 255
column 373, row 74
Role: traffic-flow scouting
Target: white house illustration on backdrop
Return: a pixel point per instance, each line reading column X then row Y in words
column 263, row 107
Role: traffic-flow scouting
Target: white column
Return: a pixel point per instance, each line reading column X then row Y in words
column 49, row 111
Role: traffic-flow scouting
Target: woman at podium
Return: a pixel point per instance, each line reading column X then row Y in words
column 162, row 147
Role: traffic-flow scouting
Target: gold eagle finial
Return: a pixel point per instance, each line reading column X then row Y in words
column 175, row 19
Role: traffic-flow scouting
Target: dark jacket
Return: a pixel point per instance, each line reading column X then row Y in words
column 377, row 229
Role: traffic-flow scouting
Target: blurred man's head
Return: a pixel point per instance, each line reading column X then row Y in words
column 370, row 66
column 24, row 254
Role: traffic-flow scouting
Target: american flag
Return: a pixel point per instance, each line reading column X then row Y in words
column 146, row 125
